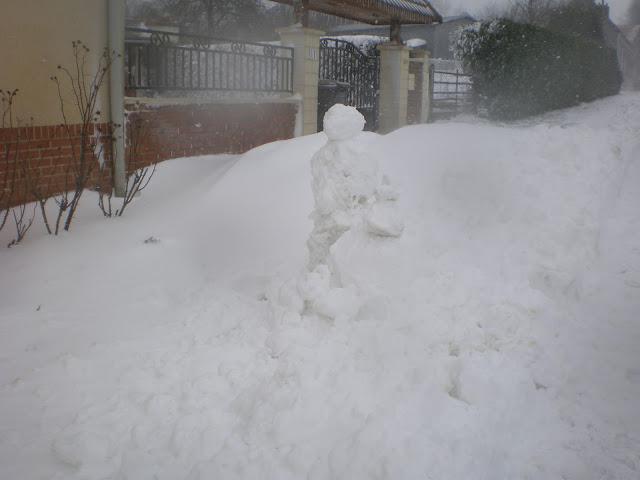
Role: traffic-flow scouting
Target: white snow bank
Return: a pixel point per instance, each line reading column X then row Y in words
column 496, row 338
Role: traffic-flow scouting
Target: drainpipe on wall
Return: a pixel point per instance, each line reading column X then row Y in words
column 116, row 22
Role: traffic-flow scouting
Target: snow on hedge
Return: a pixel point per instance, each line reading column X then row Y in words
column 496, row 337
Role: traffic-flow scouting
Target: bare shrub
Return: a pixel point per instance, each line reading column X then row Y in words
column 9, row 154
column 14, row 181
column 85, row 140
column 137, row 180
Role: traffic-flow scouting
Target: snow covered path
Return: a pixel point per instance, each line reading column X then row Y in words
column 498, row 337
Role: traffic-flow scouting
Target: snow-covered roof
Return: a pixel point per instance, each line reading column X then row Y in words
column 355, row 28
column 455, row 18
column 377, row 12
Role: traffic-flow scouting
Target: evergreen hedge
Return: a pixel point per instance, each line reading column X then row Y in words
column 521, row 70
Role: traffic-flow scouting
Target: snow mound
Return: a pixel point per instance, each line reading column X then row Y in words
column 496, row 337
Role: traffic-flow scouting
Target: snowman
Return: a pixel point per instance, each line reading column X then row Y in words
column 348, row 189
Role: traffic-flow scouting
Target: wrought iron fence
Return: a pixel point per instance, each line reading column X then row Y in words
column 343, row 62
column 164, row 61
column 452, row 93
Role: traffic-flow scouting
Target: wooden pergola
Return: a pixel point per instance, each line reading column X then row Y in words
column 375, row 12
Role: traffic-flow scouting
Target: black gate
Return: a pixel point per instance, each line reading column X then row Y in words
column 348, row 76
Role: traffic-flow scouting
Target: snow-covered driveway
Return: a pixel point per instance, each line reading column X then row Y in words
column 499, row 337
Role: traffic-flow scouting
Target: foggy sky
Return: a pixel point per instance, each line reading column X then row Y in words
column 619, row 8
column 478, row 7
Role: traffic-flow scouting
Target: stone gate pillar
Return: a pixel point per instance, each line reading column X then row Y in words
column 306, row 63
column 394, row 86
column 421, row 59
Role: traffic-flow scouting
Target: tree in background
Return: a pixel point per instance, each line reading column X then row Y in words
column 247, row 19
column 236, row 18
column 534, row 12
column 583, row 18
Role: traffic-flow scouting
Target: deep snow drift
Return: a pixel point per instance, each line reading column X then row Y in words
column 497, row 337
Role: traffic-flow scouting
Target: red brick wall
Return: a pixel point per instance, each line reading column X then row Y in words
column 414, row 105
column 167, row 132
column 189, row 130
column 41, row 158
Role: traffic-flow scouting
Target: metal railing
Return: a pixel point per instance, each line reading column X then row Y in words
column 452, row 93
column 342, row 61
column 163, row 61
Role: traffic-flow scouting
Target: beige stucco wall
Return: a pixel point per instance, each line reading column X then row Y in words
column 36, row 37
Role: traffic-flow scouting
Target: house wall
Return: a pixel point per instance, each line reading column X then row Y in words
column 444, row 36
column 36, row 153
column 36, row 38
column 628, row 54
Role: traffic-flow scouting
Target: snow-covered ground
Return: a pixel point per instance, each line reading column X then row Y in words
column 497, row 338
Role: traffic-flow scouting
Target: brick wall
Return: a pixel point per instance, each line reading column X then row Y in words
column 44, row 153
column 188, row 130
column 40, row 159
column 414, row 102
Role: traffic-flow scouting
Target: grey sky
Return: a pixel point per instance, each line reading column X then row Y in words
column 476, row 7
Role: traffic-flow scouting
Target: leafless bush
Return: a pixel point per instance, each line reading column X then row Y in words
column 38, row 188
column 14, row 182
column 9, row 154
column 23, row 217
column 87, row 146
column 137, row 180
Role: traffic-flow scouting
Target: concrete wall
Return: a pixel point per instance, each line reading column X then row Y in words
column 36, row 38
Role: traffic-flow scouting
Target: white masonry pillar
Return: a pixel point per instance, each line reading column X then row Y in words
column 394, row 86
column 306, row 63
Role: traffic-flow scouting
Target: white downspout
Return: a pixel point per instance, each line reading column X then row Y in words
column 116, row 24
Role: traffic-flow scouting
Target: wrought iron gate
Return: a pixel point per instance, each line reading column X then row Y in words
column 346, row 67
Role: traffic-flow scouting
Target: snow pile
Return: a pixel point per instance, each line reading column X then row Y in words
column 496, row 337
column 416, row 43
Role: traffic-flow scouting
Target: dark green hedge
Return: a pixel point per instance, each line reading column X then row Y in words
column 521, row 70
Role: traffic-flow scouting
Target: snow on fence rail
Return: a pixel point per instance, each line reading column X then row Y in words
column 163, row 61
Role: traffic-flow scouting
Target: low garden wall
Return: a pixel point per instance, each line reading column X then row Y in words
column 39, row 160
column 171, row 129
